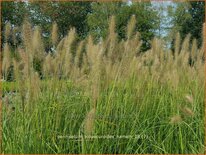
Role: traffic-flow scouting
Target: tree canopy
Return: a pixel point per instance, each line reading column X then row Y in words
column 146, row 18
column 188, row 17
column 93, row 18
column 86, row 17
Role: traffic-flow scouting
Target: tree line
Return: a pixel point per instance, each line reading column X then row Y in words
column 92, row 18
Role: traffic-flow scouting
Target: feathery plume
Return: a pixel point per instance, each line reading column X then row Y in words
column 6, row 60
column 78, row 54
column 202, row 53
column 176, row 119
column 37, row 44
column 185, row 44
column 187, row 111
column 27, row 34
column 89, row 122
column 194, row 50
column 34, row 86
column 111, row 42
column 7, row 31
column 177, row 45
column 189, row 99
column 54, row 34
column 131, row 26
column 112, row 26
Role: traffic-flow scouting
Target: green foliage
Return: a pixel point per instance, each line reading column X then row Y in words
column 13, row 12
column 134, row 109
column 188, row 17
column 66, row 14
column 194, row 25
column 147, row 19
column 84, row 16
column 9, row 86
column 133, row 95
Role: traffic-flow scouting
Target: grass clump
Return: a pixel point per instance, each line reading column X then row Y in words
column 106, row 97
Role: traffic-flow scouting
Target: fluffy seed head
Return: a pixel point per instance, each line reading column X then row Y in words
column 27, row 34
column 54, row 34
column 194, row 49
column 176, row 119
column 6, row 59
column 177, row 44
column 112, row 26
column 37, row 44
column 78, row 54
column 131, row 26
column 7, row 31
column 186, row 42
column 187, row 111
column 189, row 99
column 89, row 122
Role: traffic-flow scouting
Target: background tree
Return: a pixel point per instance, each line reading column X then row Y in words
column 146, row 17
column 188, row 17
column 13, row 13
column 195, row 24
column 93, row 17
column 65, row 14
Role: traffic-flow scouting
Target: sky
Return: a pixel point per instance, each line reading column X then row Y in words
column 166, row 22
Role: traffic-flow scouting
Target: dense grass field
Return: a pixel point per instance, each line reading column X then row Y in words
column 106, row 97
